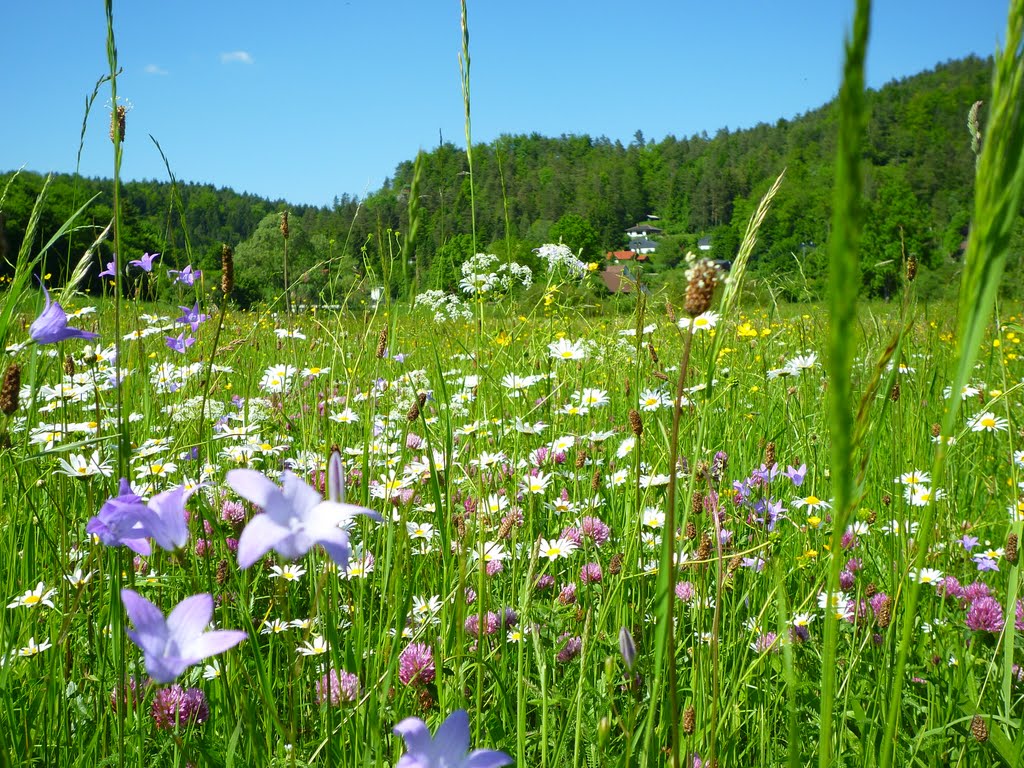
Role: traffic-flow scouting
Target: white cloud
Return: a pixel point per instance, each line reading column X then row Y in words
column 236, row 57
column 154, row 69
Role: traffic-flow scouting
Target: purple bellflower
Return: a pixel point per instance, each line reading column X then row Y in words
column 120, row 521
column 168, row 521
column 192, row 316
column 110, row 271
column 185, row 276
column 180, row 343
column 627, row 647
column 145, row 263
column 335, row 477
column 174, row 644
column 797, row 475
column 449, row 748
column 127, row 520
column 294, row 519
column 52, row 325
column 968, row 542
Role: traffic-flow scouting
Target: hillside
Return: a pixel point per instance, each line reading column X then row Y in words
column 531, row 189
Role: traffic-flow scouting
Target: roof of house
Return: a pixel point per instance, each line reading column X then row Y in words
column 625, row 256
column 644, row 229
column 704, row 242
column 613, row 280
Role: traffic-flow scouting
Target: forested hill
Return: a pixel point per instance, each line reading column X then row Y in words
column 150, row 223
column 532, row 189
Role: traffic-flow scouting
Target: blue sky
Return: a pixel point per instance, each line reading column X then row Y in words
column 309, row 100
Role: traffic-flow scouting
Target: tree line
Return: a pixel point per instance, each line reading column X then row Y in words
column 531, row 189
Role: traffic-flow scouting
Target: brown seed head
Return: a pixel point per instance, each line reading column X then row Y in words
column 697, row 505
column 581, row 459
column 979, row 730
column 670, row 311
column 652, row 352
column 689, row 721
column 615, row 564
column 284, row 224
column 936, row 429
column 635, row 424
column 69, row 365
column 911, row 269
column 691, row 530
column 704, row 550
column 227, row 270
column 595, row 480
column 700, row 287
column 1011, row 548
column 894, row 394
column 10, row 390
column 884, row 615
column 769, row 454
column 382, row 343
column 414, row 412
column 508, row 522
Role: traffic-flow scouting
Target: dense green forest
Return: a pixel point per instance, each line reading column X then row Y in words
column 583, row 190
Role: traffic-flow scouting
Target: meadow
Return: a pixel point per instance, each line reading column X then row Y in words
column 709, row 530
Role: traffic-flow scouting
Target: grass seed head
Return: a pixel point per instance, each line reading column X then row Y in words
column 635, row 423
column 10, row 390
column 689, row 720
column 117, row 119
column 700, row 288
column 227, row 269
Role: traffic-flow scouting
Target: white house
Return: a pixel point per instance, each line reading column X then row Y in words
column 643, row 230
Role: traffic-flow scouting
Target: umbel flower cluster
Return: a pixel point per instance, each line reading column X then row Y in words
column 485, row 276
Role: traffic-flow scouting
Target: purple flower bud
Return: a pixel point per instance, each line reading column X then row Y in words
column 627, row 647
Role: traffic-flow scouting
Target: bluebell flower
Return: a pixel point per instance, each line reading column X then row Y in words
column 52, row 325
column 145, row 263
column 797, row 475
column 126, row 520
column 192, row 316
column 186, row 276
column 449, row 748
column 295, row 518
column 172, row 645
column 120, row 521
column 180, row 343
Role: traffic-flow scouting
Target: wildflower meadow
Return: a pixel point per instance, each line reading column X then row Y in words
column 491, row 526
